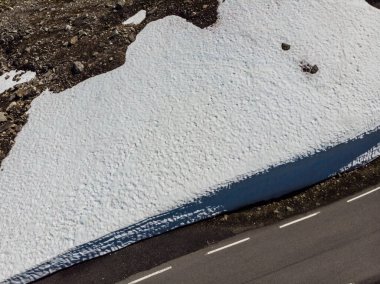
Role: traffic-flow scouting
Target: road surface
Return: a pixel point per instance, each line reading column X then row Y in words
column 339, row 243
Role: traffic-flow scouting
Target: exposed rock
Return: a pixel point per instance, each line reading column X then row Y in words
column 3, row 117
column 74, row 40
column 285, row 46
column 77, row 67
column 11, row 105
column 132, row 37
column 314, row 69
column 120, row 4
column 289, row 209
column 306, row 67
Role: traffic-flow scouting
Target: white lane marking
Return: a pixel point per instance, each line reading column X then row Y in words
column 230, row 245
column 299, row 220
column 364, row 194
column 150, row 275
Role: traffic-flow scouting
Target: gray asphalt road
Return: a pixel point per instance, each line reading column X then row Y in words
column 339, row 243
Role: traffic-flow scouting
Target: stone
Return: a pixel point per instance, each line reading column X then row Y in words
column 285, row 46
column 11, row 105
column 3, row 117
column 82, row 33
column 120, row 4
column 132, row 37
column 74, row 40
column 77, row 67
column 314, row 69
column 289, row 209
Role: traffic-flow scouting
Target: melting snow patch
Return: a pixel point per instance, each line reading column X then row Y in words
column 10, row 79
column 137, row 19
column 191, row 110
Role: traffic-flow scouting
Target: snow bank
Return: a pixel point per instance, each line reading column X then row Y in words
column 196, row 122
column 137, row 19
column 8, row 80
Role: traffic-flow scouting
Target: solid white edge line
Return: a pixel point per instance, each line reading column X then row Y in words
column 364, row 194
column 299, row 220
column 227, row 246
column 150, row 275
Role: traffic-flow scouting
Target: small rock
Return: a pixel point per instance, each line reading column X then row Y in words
column 306, row 67
column 314, row 69
column 74, row 40
column 77, row 67
column 11, row 105
column 120, row 4
column 68, row 28
column 285, row 46
column 290, row 209
column 27, row 50
column 82, row 33
column 3, row 117
column 132, row 37
column 276, row 211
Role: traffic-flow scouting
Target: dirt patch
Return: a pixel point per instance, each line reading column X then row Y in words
column 68, row 41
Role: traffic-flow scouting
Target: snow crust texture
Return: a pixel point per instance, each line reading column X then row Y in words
column 8, row 80
column 190, row 111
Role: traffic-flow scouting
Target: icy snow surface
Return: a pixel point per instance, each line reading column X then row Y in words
column 191, row 110
column 138, row 18
column 7, row 80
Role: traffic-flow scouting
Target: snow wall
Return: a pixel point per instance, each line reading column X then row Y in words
column 271, row 183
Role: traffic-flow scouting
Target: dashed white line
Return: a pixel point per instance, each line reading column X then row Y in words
column 299, row 220
column 150, row 275
column 227, row 246
column 364, row 194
